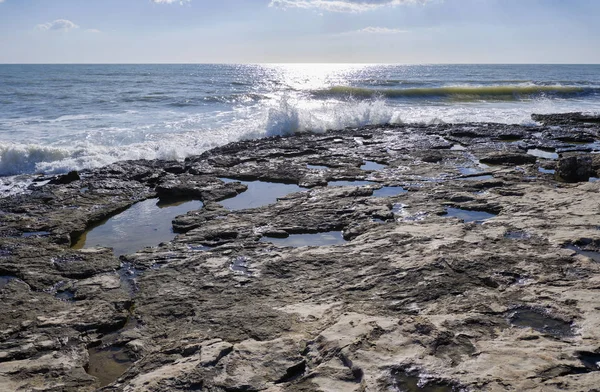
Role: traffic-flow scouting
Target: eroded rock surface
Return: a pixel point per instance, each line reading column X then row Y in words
column 415, row 299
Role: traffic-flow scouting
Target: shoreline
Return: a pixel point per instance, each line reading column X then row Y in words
column 454, row 258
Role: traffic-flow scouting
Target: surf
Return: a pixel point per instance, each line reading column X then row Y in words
column 499, row 92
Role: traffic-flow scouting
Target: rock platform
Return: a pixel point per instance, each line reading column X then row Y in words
column 425, row 293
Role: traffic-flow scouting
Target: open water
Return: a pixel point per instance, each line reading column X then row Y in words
column 55, row 118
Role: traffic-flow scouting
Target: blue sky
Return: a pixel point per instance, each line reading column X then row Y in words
column 365, row 31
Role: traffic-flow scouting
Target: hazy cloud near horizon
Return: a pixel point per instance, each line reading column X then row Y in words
column 170, row 1
column 381, row 30
column 352, row 6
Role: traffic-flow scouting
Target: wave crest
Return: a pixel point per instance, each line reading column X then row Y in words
column 500, row 92
column 17, row 159
column 291, row 117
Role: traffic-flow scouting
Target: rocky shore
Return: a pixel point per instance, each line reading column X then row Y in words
column 435, row 258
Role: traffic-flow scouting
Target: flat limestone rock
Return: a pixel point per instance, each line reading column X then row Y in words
column 472, row 277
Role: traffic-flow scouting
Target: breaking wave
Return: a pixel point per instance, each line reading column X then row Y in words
column 289, row 118
column 17, row 159
column 193, row 135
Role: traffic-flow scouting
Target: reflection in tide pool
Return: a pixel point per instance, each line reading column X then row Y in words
column 594, row 255
column 477, row 178
column 546, row 171
column 147, row 223
column 540, row 321
column 259, row 193
column 468, row 215
column 317, row 167
column 108, row 364
column 536, row 152
column 350, row 183
column 316, row 239
column 371, row 165
column 389, row 191
column 4, row 280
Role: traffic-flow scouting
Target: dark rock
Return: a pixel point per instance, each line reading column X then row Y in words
column 574, row 169
column 565, row 118
column 433, row 157
column 68, row 178
column 205, row 188
column 507, row 158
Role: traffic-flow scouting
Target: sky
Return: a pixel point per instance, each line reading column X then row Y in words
column 307, row 31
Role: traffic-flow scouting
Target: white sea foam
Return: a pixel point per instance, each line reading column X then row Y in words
column 195, row 133
column 301, row 116
column 18, row 158
column 171, row 112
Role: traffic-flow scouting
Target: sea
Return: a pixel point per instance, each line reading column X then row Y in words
column 57, row 118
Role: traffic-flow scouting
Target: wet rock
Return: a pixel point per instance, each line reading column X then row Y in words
column 68, row 178
column 413, row 301
column 411, row 381
column 507, row 158
column 205, row 188
column 432, row 157
column 574, row 169
column 565, row 118
column 538, row 320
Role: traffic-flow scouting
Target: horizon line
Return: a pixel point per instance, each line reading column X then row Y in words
column 284, row 63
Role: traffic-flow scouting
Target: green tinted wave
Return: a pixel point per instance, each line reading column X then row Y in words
column 457, row 92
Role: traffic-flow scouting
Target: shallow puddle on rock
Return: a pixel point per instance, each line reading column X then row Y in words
column 108, row 364
column 350, row 183
column 241, row 265
column 372, row 166
column 317, row 167
column 546, row 171
column 259, row 193
column 588, row 253
column 540, row 153
column 147, row 223
column 484, row 177
column 4, row 280
column 36, row 234
column 457, row 147
column 389, row 191
column 517, row 235
column 66, row 295
column 404, row 382
column 315, row 239
column 468, row 215
column 129, row 275
column 468, row 170
column 199, row 248
column 541, row 322
column 590, row 360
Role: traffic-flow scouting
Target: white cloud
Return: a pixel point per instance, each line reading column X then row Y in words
column 353, row 6
column 170, row 1
column 58, row 24
column 95, row 31
column 381, row 30
column 373, row 31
